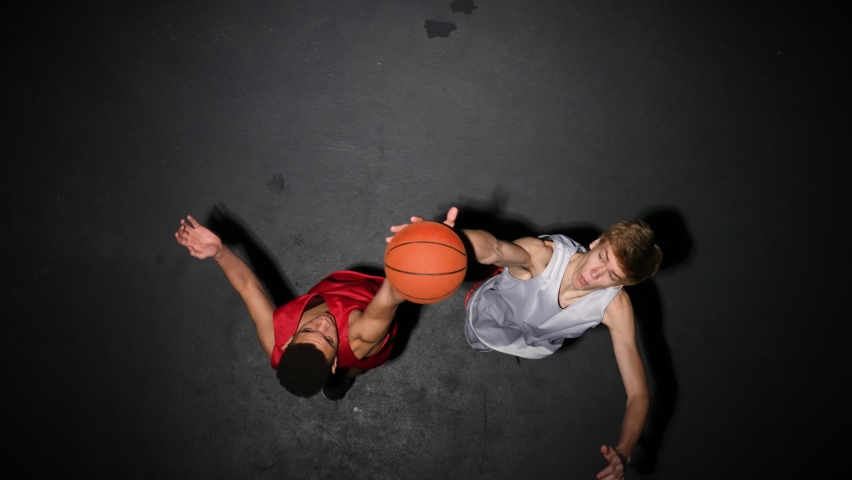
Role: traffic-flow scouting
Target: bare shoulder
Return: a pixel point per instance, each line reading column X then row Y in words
column 619, row 313
column 531, row 243
column 540, row 250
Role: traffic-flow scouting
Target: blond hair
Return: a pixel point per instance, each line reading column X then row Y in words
column 632, row 243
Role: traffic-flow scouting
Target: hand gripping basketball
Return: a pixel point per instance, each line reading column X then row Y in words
column 425, row 262
column 452, row 214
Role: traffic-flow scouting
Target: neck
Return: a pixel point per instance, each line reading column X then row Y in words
column 567, row 291
column 312, row 312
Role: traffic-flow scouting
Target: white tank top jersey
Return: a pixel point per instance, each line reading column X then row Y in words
column 523, row 317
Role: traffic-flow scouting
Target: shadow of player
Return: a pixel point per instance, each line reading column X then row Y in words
column 234, row 231
column 673, row 238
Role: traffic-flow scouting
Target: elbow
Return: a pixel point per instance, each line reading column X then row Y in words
column 640, row 399
column 490, row 256
column 486, row 248
column 249, row 286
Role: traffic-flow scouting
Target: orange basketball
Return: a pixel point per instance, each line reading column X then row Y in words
column 425, row 262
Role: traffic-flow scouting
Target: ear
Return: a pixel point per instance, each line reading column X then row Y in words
column 334, row 365
column 287, row 344
column 592, row 245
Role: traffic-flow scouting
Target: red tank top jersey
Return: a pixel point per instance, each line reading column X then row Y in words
column 344, row 292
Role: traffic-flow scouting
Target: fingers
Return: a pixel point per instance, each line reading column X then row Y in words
column 183, row 232
column 192, row 220
column 182, row 239
column 610, row 453
column 611, row 472
column 415, row 219
column 395, row 229
column 606, row 474
column 608, row 470
column 615, row 470
column 452, row 214
column 185, row 236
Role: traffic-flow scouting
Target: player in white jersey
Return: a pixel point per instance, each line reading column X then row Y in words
column 550, row 288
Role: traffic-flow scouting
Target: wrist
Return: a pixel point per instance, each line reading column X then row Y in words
column 623, row 453
column 395, row 297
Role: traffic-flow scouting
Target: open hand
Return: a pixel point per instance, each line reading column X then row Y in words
column 450, row 222
column 617, row 464
column 201, row 242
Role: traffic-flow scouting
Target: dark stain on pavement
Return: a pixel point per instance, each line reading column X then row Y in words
column 435, row 28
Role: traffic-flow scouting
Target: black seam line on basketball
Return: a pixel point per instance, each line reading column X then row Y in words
column 425, row 298
column 425, row 274
column 423, row 241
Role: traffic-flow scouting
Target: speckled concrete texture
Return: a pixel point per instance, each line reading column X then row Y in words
column 317, row 125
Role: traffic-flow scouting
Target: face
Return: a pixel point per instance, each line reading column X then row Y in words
column 320, row 331
column 597, row 269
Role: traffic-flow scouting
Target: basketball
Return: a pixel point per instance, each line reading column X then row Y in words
column 425, row 262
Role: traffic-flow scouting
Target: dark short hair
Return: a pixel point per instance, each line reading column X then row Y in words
column 303, row 369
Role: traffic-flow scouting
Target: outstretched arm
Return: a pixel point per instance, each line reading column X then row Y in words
column 371, row 325
column 202, row 243
column 619, row 319
column 487, row 248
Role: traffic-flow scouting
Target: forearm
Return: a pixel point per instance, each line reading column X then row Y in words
column 373, row 323
column 489, row 250
column 202, row 243
column 485, row 246
column 235, row 269
column 246, row 283
column 384, row 304
column 633, row 424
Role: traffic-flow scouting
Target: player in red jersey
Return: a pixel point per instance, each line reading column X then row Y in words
column 320, row 341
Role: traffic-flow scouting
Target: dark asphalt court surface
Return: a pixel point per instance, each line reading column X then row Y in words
column 302, row 130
